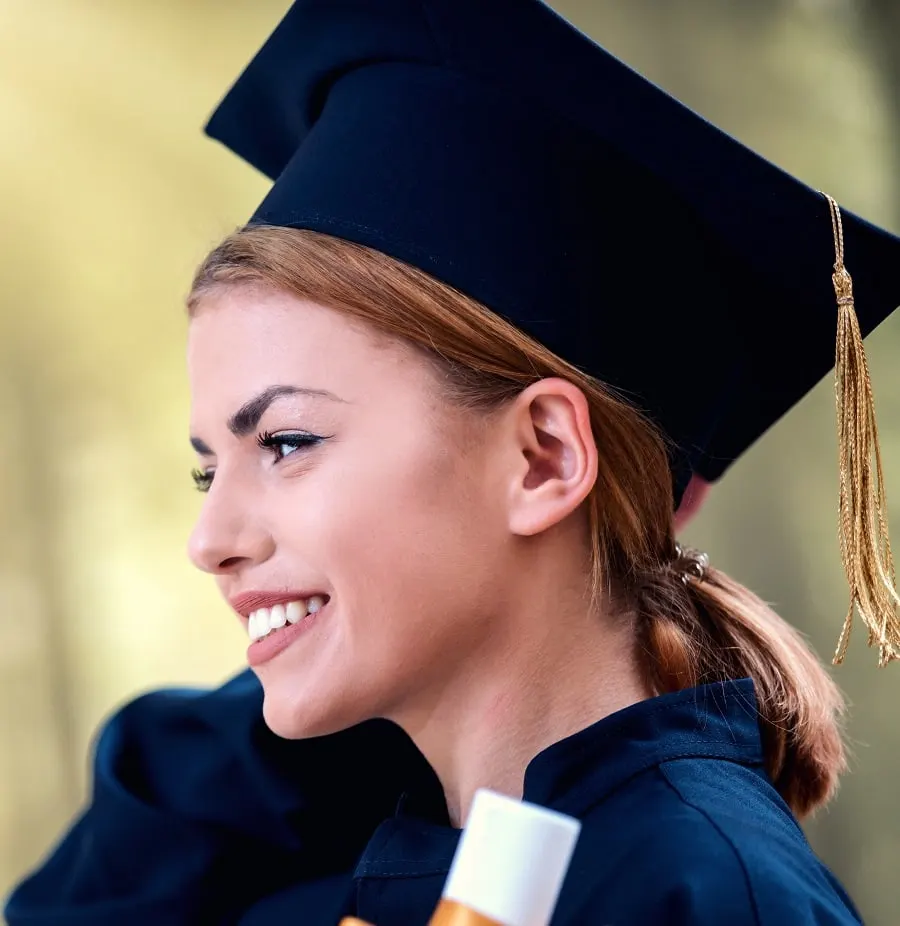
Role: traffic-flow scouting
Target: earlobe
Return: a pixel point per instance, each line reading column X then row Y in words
column 559, row 453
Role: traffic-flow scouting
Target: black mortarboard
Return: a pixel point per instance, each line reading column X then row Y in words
column 496, row 147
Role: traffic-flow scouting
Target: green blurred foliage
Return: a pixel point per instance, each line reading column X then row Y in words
column 111, row 196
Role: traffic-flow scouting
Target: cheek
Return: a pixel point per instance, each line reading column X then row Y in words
column 408, row 540
column 411, row 543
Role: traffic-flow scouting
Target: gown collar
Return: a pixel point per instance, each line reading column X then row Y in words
column 715, row 721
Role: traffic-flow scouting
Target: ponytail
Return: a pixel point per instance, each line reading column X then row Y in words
column 693, row 631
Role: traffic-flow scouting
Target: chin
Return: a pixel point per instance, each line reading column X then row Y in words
column 294, row 717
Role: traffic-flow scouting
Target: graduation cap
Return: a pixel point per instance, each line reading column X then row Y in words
column 496, row 147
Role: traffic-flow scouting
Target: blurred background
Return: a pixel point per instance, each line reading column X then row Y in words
column 110, row 197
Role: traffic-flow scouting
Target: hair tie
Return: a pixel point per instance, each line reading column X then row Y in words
column 690, row 564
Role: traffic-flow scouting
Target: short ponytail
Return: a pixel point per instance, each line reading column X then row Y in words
column 693, row 631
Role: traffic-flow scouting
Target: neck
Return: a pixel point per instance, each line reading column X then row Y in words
column 555, row 675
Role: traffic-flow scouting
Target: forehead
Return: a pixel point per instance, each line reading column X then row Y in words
column 242, row 339
column 260, row 324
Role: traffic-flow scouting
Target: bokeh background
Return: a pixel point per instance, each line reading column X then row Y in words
column 110, row 196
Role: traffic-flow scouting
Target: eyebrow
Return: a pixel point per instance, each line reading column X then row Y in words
column 248, row 416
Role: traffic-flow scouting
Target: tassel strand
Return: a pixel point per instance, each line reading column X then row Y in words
column 865, row 544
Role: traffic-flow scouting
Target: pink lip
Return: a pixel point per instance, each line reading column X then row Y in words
column 268, row 647
column 247, row 602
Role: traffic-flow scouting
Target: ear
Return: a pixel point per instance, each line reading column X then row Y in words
column 692, row 501
column 556, row 452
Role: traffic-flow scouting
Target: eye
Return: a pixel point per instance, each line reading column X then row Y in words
column 285, row 443
column 202, row 479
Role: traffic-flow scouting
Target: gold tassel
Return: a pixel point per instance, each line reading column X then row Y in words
column 865, row 545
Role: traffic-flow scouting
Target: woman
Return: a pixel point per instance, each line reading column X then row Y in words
column 444, row 412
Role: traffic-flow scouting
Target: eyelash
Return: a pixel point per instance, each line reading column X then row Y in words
column 296, row 439
column 202, row 479
column 267, row 441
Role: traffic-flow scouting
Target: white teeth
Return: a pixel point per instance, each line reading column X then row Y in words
column 264, row 620
column 295, row 610
column 259, row 624
column 277, row 617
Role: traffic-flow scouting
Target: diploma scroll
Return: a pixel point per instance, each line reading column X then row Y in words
column 509, row 866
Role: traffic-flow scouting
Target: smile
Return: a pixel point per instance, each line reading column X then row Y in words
column 265, row 621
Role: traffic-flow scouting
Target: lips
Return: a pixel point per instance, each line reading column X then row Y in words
column 273, row 630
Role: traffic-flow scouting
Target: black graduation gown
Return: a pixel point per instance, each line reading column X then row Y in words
column 200, row 815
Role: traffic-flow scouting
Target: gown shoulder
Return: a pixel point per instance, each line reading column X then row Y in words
column 198, row 809
column 704, row 842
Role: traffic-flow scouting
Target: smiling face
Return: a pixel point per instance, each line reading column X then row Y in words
column 356, row 482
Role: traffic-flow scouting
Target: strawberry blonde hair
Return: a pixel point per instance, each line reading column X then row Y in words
column 687, row 632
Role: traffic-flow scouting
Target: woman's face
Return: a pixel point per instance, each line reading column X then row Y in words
column 340, row 474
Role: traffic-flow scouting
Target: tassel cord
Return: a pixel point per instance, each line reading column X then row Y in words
column 864, row 541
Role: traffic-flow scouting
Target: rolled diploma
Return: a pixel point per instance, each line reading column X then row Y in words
column 510, row 864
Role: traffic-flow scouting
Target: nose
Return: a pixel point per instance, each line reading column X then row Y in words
column 228, row 537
